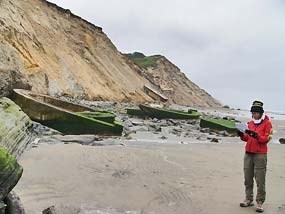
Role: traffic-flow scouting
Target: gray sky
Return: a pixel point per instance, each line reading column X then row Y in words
column 233, row 49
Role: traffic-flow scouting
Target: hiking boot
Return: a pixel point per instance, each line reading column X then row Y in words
column 259, row 208
column 246, row 203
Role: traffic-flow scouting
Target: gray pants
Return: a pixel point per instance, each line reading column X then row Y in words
column 255, row 167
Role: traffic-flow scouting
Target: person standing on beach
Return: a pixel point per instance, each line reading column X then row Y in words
column 255, row 159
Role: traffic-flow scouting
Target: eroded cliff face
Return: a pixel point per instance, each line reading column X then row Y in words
column 58, row 53
column 171, row 81
column 177, row 87
column 10, row 79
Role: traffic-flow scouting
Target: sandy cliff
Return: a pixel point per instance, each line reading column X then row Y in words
column 61, row 54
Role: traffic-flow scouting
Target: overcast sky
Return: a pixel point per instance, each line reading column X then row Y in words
column 233, row 49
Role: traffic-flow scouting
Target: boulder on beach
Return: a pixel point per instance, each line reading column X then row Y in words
column 10, row 171
column 15, row 135
column 14, row 204
column 15, row 127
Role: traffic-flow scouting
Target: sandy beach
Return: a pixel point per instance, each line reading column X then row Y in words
column 145, row 178
column 156, row 167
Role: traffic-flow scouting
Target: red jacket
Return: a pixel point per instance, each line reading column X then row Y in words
column 264, row 131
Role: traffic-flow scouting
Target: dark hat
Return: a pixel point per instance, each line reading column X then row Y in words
column 257, row 106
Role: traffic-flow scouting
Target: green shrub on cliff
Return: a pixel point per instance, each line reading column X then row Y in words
column 144, row 61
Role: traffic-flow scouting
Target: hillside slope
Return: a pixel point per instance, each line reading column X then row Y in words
column 170, row 81
column 61, row 54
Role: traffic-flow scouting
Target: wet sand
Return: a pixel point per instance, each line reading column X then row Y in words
column 141, row 177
